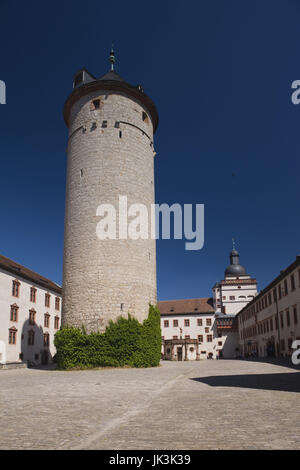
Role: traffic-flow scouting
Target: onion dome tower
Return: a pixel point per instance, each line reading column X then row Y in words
column 110, row 154
column 235, row 268
column 237, row 288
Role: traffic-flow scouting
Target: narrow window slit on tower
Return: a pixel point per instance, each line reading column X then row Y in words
column 122, row 306
column 120, row 134
column 96, row 104
column 81, row 173
column 104, row 124
column 94, row 126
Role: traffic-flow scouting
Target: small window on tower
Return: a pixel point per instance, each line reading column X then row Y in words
column 96, row 104
column 145, row 117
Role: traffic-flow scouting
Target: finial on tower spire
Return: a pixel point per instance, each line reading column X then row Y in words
column 112, row 58
column 233, row 244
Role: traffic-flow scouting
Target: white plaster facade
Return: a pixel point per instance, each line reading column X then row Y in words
column 230, row 295
column 17, row 349
column 197, row 341
column 271, row 322
column 194, row 340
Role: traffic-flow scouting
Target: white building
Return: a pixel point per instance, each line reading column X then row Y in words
column 236, row 290
column 188, row 329
column 271, row 322
column 229, row 296
column 194, row 329
column 30, row 314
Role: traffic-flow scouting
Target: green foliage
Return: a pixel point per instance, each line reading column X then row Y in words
column 124, row 343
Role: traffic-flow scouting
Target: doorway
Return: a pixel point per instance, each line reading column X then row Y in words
column 179, row 354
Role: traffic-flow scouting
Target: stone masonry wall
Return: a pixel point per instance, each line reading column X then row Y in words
column 105, row 279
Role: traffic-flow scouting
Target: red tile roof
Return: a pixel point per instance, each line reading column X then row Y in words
column 21, row 271
column 184, row 306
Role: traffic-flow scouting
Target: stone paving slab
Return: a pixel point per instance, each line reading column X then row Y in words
column 189, row 405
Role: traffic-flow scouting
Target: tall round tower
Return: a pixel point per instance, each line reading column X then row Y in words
column 110, row 154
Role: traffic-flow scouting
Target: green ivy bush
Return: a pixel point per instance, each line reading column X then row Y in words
column 124, row 343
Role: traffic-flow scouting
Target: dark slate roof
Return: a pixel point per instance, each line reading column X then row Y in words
column 112, row 76
column 22, row 272
column 285, row 272
column 235, row 270
column 84, row 70
column 184, row 306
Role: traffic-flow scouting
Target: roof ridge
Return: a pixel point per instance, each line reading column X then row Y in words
column 180, row 300
column 10, row 265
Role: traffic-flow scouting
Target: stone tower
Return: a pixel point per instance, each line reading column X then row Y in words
column 110, row 154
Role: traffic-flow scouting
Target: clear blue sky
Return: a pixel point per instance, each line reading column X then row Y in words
column 220, row 74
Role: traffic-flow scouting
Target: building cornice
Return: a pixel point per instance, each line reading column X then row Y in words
column 233, row 282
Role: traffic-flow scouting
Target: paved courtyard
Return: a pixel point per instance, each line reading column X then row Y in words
column 188, row 405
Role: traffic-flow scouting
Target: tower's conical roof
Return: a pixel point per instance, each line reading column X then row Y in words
column 112, row 75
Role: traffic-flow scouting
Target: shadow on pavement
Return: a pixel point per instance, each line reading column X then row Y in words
column 284, row 362
column 286, row 382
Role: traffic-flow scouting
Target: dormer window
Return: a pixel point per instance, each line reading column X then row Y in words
column 78, row 79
